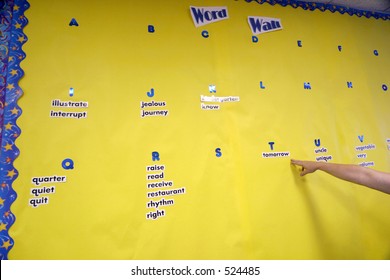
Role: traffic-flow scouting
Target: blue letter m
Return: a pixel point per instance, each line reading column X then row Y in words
column 306, row 85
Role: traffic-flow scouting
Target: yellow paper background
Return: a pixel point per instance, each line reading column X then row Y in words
column 238, row 206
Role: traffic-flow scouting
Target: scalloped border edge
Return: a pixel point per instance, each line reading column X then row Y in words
column 12, row 41
column 324, row 7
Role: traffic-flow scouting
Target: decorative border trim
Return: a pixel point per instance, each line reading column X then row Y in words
column 325, row 7
column 12, row 38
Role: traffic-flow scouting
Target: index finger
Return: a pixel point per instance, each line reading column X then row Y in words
column 297, row 162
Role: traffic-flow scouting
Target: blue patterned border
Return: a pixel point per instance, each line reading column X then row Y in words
column 324, row 7
column 12, row 39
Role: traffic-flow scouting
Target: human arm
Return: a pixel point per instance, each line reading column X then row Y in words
column 352, row 173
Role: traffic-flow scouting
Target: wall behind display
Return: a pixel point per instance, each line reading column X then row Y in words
column 126, row 151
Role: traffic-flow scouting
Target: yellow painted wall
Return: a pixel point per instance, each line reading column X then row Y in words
column 237, row 206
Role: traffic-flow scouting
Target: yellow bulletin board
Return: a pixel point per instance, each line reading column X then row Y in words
column 146, row 137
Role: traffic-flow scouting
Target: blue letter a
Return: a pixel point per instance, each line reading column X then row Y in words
column 73, row 22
